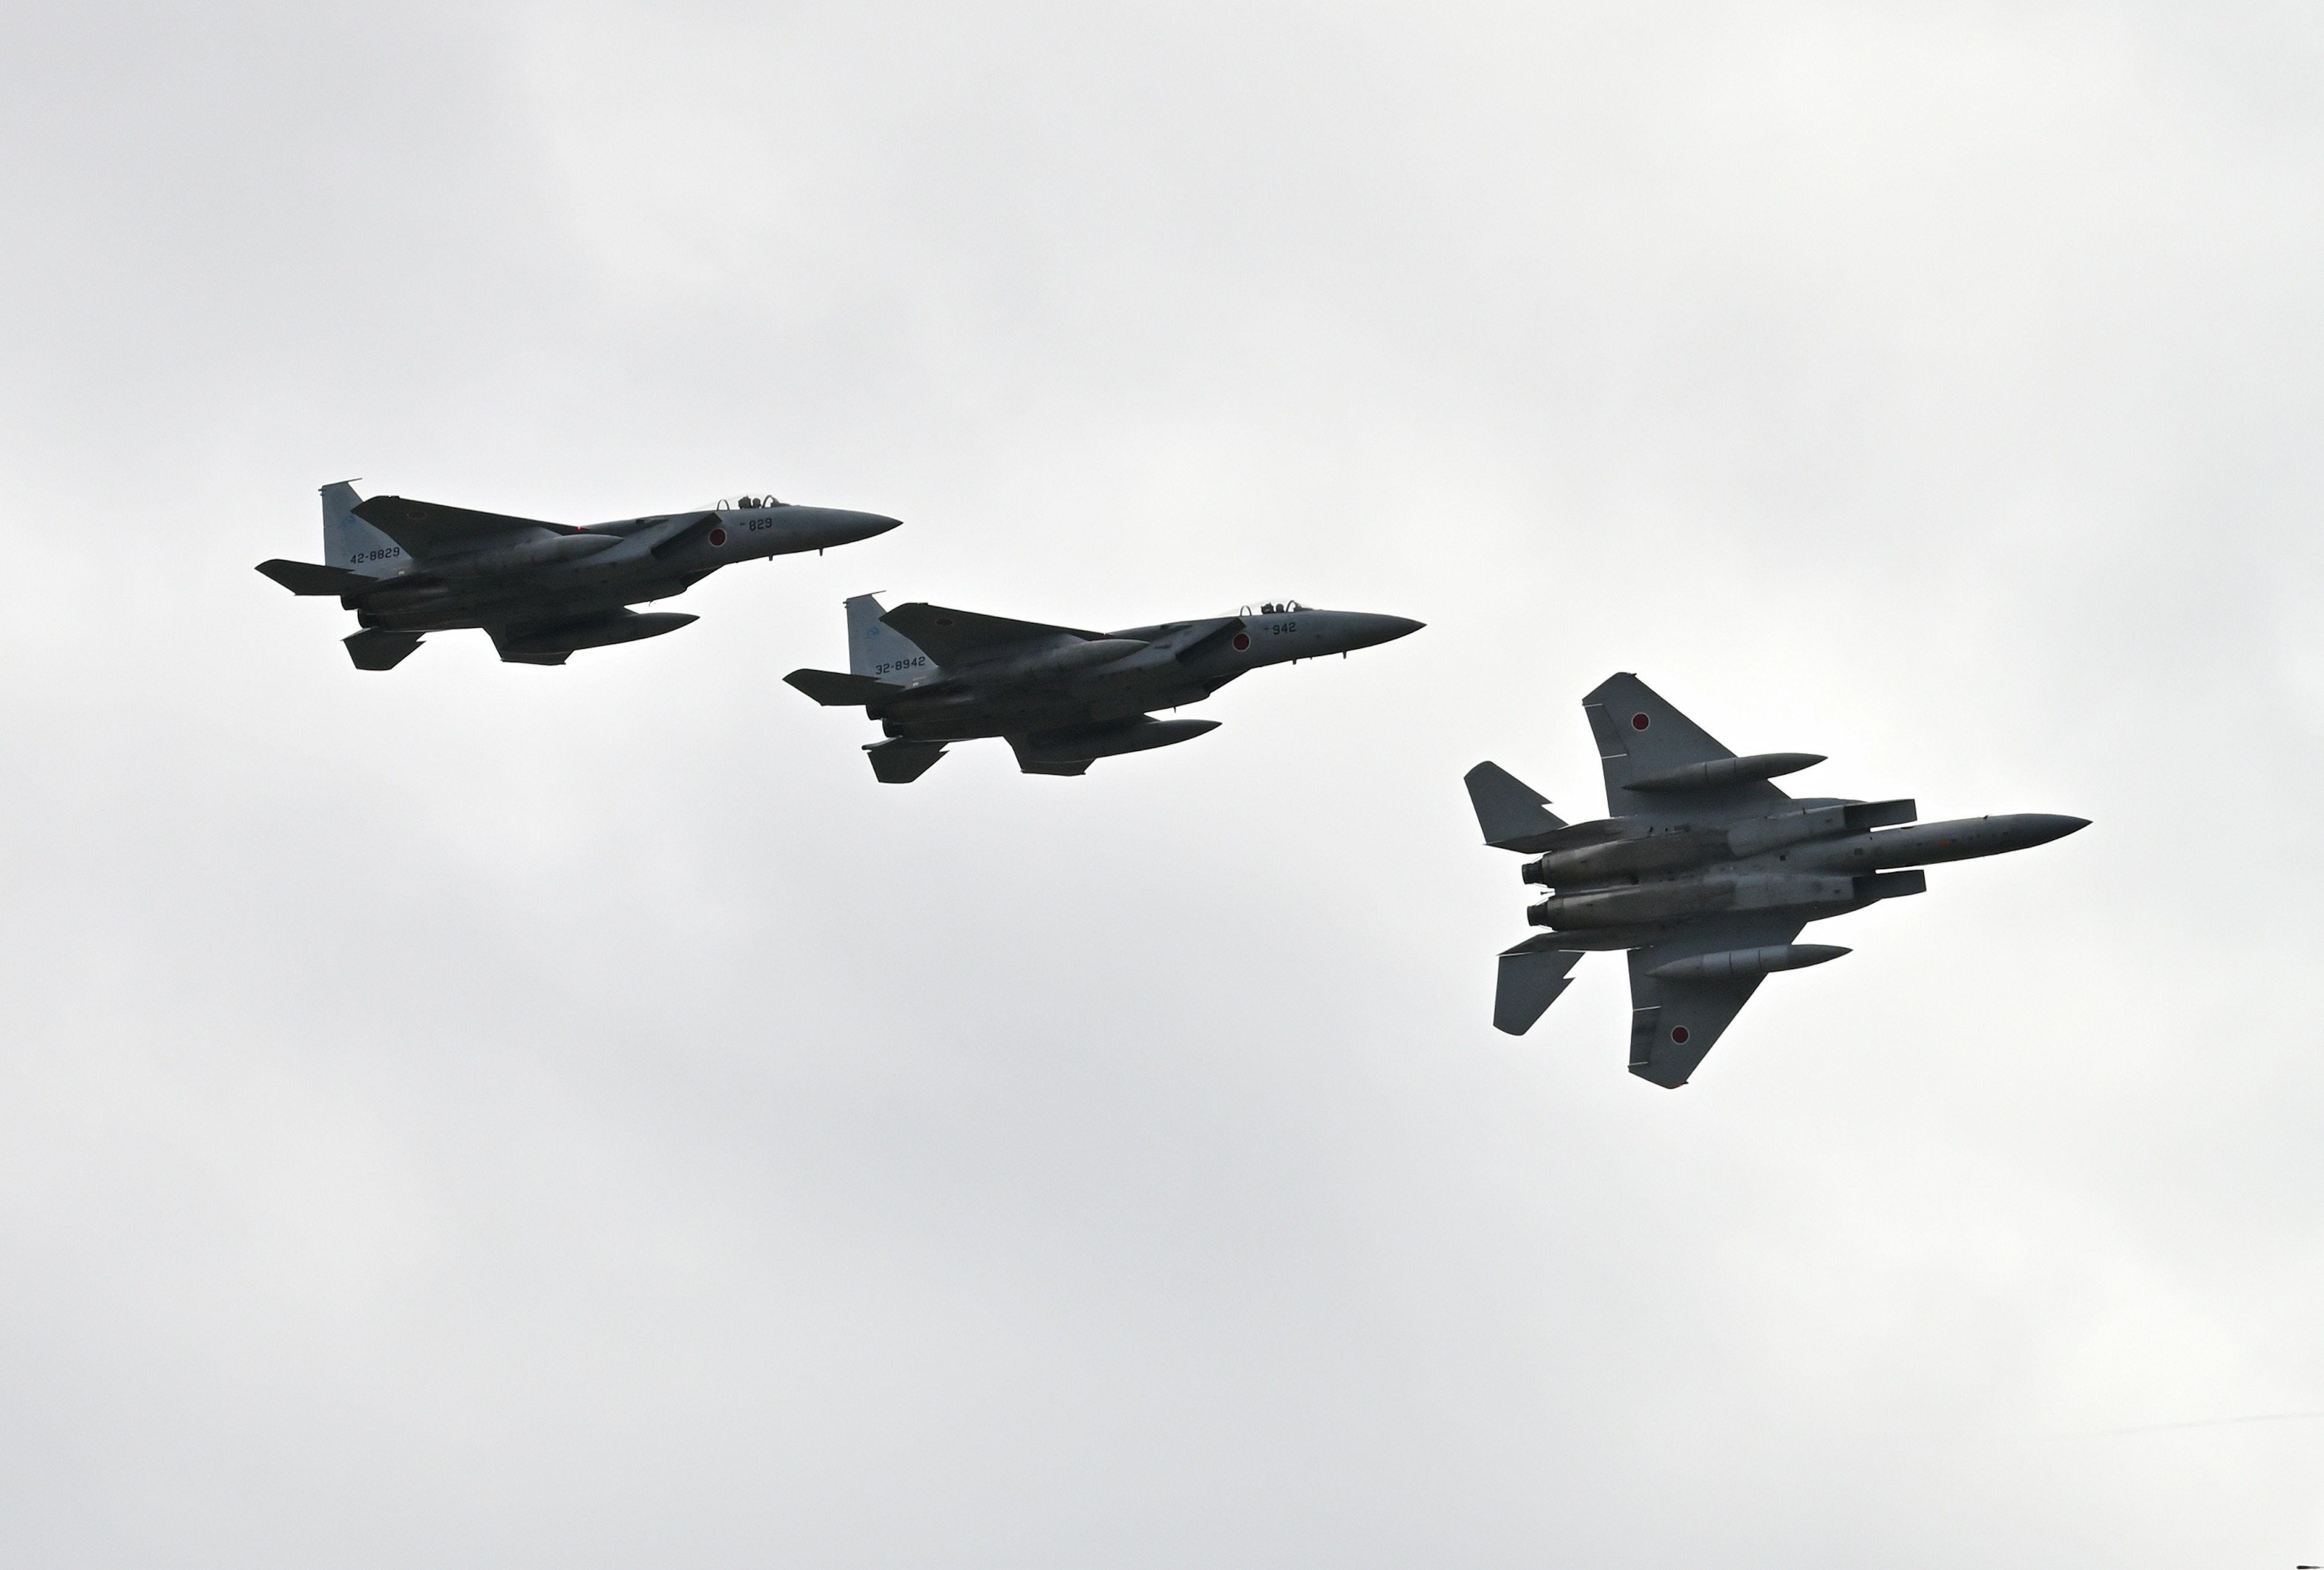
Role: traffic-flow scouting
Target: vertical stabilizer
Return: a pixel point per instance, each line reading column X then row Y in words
column 350, row 542
column 876, row 649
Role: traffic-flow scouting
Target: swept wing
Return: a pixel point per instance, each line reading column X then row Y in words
column 1642, row 735
column 426, row 528
column 1675, row 1023
column 948, row 636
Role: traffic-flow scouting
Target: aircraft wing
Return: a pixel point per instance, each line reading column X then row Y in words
column 1674, row 1024
column 425, row 528
column 946, row 636
column 1641, row 734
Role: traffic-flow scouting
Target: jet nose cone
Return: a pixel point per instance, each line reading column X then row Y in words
column 1368, row 629
column 2042, row 828
column 829, row 526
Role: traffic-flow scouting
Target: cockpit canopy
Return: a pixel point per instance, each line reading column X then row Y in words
column 1274, row 608
column 747, row 504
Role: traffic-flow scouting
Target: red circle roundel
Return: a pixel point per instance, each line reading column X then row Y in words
column 1241, row 642
column 1638, row 722
column 718, row 537
column 1678, row 1034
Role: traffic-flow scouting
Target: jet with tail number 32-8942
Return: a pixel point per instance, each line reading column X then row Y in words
column 1703, row 871
column 1063, row 696
column 541, row 590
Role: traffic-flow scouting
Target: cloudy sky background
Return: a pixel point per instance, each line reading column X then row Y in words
column 491, row 1115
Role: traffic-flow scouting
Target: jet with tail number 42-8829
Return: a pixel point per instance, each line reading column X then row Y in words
column 541, row 590
column 1063, row 696
column 1703, row 871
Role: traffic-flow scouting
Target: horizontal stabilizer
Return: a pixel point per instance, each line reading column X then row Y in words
column 901, row 762
column 380, row 648
column 305, row 577
column 839, row 689
column 1530, row 980
column 1512, row 813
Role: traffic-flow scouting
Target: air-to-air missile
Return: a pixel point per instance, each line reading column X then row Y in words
column 541, row 590
column 1063, row 696
column 1704, row 870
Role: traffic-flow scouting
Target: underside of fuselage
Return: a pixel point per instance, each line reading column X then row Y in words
column 971, row 713
column 415, row 609
column 1640, row 934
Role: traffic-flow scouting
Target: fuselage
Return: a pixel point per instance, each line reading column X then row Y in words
column 1628, row 881
column 541, row 575
column 1136, row 671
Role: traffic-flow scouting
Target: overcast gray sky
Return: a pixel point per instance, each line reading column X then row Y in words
column 489, row 1116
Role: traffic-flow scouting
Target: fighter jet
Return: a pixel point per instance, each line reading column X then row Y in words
column 542, row 590
column 1063, row 697
column 1704, row 870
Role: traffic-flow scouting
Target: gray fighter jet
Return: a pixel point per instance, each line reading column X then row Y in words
column 542, row 590
column 1704, row 870
column 1063, row 697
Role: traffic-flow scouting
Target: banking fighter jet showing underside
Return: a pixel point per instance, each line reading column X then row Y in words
column 541, row 590
column 1703, row 871
column 1063, row 696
